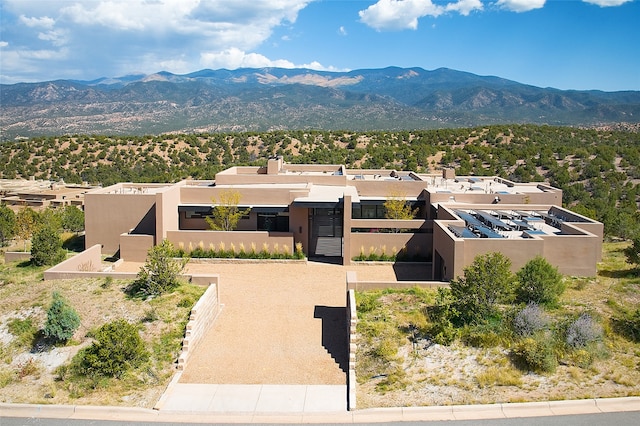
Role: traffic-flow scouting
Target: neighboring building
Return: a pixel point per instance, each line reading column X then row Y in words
column 337, row 212
column 18, row 193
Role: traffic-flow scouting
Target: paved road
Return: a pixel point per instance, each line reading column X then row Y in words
column 618, row 419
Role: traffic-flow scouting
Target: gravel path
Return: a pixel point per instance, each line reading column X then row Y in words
column 281, row 324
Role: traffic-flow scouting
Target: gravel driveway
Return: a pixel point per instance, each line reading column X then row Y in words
column 281, row 323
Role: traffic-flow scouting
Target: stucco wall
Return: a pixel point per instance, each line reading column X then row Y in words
column 16, row 256
column 167, row 201
column 87, row 264
column 416, row 244
column 354, row 284
column 253, row 196
column 134, row 248
column 109, row 215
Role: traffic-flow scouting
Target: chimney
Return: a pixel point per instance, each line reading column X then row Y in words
column 274, row 165
column 449, row 173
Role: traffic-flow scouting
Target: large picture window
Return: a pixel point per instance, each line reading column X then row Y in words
column 273, row 222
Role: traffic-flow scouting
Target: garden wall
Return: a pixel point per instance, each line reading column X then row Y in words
column 352, row 321
column 354, row 284
column 87, row 264
column 16, row 256
column 202, row 317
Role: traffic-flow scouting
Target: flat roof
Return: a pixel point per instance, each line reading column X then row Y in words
column 478, row 185
column 326, row 196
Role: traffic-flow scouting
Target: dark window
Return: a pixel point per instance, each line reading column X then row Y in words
column 273, row 222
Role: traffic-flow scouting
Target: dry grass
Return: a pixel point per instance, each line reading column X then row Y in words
column 458, row 374
column 29, row 376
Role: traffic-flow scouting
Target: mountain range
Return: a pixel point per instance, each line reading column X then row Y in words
column 276, row 98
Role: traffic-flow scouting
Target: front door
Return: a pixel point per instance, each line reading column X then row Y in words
column 326, row 232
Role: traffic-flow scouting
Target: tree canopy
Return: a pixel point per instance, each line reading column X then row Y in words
column 486, row 282
column 225, row 212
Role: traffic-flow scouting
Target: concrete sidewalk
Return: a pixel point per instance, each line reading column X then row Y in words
column 254, row 399
column 440, row 413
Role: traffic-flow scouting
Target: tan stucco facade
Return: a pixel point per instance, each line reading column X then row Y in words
column 333, row 211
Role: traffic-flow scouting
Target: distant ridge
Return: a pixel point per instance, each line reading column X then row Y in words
column 262, row 99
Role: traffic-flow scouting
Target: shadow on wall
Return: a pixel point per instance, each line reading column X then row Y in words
column 334, row 333
column 406, row 271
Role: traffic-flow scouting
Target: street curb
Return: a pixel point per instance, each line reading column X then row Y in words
column 437, row 413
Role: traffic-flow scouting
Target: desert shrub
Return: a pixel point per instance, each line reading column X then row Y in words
column 23, row 329
column 486, row 282
column 581, row 358
column 583, row 331
column 530, row 320
column 497, row 376
column 62, row 319
column 386, row 350
column 160, row 272
column 394, row 380
column 118, row 348
column 367, row 302
column 536, row 354
column 628, row 325
column 442, row 316
column 46, row 247
column 108, row 281
column 539, row 282
column 486, row 335
column 30, row 367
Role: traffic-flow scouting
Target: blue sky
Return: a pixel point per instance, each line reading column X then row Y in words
column 566, row 44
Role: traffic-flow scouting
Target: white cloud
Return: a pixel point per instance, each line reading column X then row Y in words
column 607, row 3
column 464, row 7
column 342, row 31
column 521, row 5
column 234, row 58
column 404, row 14
column 43, row 22
column 4, row 44
column 56, row 37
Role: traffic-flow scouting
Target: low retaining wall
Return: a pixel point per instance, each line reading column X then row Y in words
column 352, row 321
column 202, row 317
column 16, row 256
column 354, row 284
column 87, row 264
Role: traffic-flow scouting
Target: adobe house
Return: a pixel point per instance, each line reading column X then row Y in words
column 339, row 213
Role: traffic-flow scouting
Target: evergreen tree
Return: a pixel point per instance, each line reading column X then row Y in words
column 62, row 319
column 486, row 282
column 7, row 224
column 46, row 247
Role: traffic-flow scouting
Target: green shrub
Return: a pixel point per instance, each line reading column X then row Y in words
column 486, row 283
column 487, row 335
column 536, row 354
column 367, row 302
column 62, row 320
column 160, row 272
column 628, row 325
column 442, row 316
column 539, row 282
column 117, row 348
column 386, row 350
column 46, row 247
column 23, row 329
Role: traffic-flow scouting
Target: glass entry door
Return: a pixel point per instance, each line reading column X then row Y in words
column 326, row 232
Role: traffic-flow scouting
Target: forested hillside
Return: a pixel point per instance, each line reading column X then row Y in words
column 598, row 170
